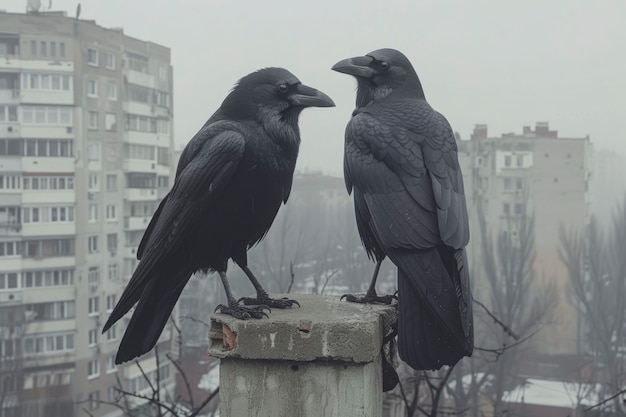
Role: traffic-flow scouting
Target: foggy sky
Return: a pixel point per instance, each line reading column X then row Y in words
column 506, row 64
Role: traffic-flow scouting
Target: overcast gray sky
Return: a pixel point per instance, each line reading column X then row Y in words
column 504, row 63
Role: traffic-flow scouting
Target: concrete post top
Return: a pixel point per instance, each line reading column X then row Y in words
column 322, row 328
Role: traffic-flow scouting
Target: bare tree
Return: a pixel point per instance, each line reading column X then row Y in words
column 596, row 266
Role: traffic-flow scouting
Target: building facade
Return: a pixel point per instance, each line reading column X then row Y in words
column 533, row 175
column 86, row 150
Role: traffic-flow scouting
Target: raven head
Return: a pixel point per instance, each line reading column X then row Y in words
column 380, row 73
column 272, row 94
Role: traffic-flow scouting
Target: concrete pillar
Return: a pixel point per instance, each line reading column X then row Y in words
column 322, row 359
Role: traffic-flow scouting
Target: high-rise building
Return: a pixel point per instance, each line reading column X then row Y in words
column 536, row 175
column 86, row 151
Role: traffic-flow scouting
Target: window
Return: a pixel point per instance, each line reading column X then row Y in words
column 163, row 73
column 43, row 48
column 519, row 209
column 519, row 184
column 506, row 207
column 507, row 161
column 109, row 61
column 112, row 91
column 93, row 306
column 111, row 182
column 92, row 57
column 163, row 126
column 111, row 334
column 53, row 49
column 93, row 275
column 93, row 398
column 49, row 278
column 61, row 214
column 50, row 343
column 10, row 182
column 92, row 88
column 110, row 122
column 111, row 212
column 37, row 248
column 113, row 272
column 10, row 248
column 47, row 115
column 141, row 123
column 92, row 120
column 520, row 160
column 140, row 180
column 145, row 152
column 93, row 213
column 33, row 48
column 163, row 181
column 62, row 49
column 8, row 113
column 56, row 310
column 162, row 99
column 112, row 242
column 508, row 184
column 137, row 62
column 112, row 393
column 163, row 156
column 8, row 281
column 94, row 182
column 110, row 302
column 93, row 338
column 138, row 93
column 92, row 244
column 111, row 364
column 93, row 151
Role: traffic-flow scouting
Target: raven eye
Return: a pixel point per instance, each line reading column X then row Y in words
column 384, row 66
column 283, row 88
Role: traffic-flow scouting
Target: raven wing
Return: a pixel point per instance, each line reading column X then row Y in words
column 194, row 146
column 387, row 167
column 197, row 187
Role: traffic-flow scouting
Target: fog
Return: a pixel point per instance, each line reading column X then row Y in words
column 506, row 64
column 552, row 297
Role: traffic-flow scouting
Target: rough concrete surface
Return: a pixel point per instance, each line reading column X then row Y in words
column 295, row 389
column 322, row 328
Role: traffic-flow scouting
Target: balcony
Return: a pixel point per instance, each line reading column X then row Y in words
column 140, row 78
column 48, row 229
column 49, row 164
column 47, row 132
column 140, row 194
column 48, row 262
column 58, row 293
column 136, row 223
column 48, row 97
column 141, row 109
column 139, row 165
column 10, row 297
column 12, row 63
column 10, row 96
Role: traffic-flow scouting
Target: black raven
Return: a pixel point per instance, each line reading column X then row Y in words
column 230, row 182
column 401, row 165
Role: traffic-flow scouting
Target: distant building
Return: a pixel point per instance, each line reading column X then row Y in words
column 534, row 173
column 85, row 156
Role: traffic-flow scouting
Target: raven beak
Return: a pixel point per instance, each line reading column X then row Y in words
column 306, row 96
column 358, row 66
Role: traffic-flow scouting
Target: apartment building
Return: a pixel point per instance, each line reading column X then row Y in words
column 86, row 150
column 540, row 175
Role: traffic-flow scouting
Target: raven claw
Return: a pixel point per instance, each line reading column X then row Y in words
column 243, row 312
column 370, row 298
column 271, row 302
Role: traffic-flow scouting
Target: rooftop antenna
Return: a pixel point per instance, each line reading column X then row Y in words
column 78, row 11
column 33, row 6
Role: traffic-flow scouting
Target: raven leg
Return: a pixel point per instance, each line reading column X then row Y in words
column 235, row 309
column 262, row 297
column 371, row 296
